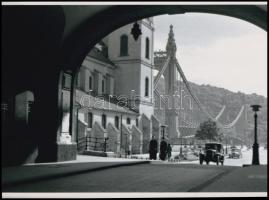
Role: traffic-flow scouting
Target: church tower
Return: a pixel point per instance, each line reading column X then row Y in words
column 134, row 60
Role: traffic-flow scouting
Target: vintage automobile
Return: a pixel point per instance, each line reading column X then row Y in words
column 212, row 152
column 235, row 153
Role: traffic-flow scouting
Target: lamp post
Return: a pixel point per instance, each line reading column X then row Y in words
column 226, row 149
column 120, row 134
column 163, row 134
column 255, row 156
column 181, row 143
column 126, row 144
column 163, row 131
column 78, row 108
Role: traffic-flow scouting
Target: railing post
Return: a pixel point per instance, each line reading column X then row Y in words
column 95, row 144
column 86, row 146
column 105, row 143
column 104, row 147
column 88, row 143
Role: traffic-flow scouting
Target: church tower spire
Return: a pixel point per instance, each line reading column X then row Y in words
column 171, row 47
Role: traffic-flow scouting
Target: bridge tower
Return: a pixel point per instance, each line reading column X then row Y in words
column 170, row 78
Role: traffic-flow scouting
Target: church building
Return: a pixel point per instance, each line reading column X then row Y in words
column 115, row 95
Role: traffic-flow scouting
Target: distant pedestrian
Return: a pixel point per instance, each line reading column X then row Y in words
column 153, row 147
column 163, row 149
column 169, row 151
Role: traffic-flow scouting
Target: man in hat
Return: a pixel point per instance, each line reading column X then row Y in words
column 163, row 149
column 153, row 146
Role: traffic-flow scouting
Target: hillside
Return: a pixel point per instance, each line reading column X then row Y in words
column 213, row 98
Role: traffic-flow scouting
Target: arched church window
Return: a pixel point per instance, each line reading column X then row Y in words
column 103, row 86
column 117, row 122
column 147, row 48
column 146, row 87
column 124, row 45
column 104, row 121
column 90, row 82
column 128, row 120
column 90, row 119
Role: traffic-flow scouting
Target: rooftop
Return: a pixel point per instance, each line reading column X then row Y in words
column 100, row 56
column 100, row 103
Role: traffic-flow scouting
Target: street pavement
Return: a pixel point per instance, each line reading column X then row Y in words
column 246, row 179
column 133, row 177
column 90, row 177
column 119, row 175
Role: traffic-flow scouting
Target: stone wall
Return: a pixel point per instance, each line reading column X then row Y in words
column 97, row 132
column 146, row 131
column 113, row 135
column 66, row 152
column 81, row 137
column 126, row 138
column 136, row 140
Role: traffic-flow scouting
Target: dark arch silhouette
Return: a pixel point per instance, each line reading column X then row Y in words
column 41, row 43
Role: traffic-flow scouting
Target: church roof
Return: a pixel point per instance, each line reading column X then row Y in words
column 100, row 104
column 98, row 55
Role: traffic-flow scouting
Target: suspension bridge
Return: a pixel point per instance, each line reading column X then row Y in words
column 174, row 115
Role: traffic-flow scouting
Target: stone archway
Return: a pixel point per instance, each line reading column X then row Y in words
column 112, row 17
column 45, row 54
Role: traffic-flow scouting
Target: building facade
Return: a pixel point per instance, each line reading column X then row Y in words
column 114, row 95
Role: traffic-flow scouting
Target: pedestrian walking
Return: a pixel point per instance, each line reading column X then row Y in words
column 163, row 149
column 153, row 147
column 169, row 151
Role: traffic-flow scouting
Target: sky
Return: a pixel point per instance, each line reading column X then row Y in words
column 217, row 50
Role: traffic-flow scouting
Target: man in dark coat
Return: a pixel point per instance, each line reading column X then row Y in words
column 169, row 151
column 153, row 146
column 163, row 149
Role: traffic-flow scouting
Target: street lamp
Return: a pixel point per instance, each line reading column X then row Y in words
column 121, row 134
column 126, row 134
column 255, row 156
column 78, row 108
column 226, row 149
column 181, row 143
column 163, row 131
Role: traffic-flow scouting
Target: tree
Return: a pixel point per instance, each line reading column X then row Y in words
column 208, row 130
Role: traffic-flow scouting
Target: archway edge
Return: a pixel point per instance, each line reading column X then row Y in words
column 79, row 37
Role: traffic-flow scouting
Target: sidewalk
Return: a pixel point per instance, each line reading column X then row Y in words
column 88, row 158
